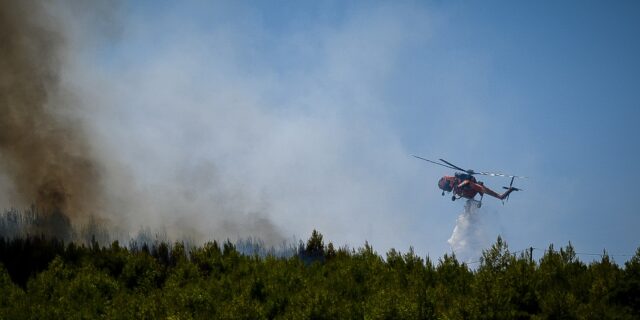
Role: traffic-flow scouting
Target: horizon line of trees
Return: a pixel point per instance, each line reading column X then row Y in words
column 43, row 277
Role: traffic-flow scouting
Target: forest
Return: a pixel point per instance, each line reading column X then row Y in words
column 42, row 278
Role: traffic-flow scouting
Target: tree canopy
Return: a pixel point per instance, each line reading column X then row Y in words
column 45, row 278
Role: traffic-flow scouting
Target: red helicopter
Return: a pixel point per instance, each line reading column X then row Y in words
column 464, row 184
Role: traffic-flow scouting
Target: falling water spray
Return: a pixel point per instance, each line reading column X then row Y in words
column 469, row 236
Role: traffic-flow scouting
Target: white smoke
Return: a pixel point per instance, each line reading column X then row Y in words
column 469, row 236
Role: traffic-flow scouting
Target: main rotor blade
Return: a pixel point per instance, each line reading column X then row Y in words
column 454, row 166
column 440, row 164
column 499, row 175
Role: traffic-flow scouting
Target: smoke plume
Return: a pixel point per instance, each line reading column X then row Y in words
column 221, row 128
column 55, row 162
column 469, row 237
column 45, row 156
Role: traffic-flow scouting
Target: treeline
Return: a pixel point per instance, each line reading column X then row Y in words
column 43, row 278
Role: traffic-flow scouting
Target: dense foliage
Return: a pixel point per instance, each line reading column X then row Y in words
column 43, row 278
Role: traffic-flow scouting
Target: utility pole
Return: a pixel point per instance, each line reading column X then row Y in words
column 531, row 255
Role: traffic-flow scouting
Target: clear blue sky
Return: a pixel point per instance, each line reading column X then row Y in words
column 340, row 94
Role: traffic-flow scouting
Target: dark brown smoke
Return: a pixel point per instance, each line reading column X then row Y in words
column 44, row 153
column 79, row 179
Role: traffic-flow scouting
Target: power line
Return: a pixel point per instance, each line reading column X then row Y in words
column 531, row 249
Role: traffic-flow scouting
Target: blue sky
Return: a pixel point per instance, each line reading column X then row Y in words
column 308, row 113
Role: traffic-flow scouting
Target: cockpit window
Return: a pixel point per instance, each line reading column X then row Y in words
column 445, row 184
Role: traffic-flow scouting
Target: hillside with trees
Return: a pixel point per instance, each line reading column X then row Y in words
column 46, row 278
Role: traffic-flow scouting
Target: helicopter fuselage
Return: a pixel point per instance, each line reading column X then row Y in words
column 462, row 185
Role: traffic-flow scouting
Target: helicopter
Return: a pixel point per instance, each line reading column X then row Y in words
column 464, row 185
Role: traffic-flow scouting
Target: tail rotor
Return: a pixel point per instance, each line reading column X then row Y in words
column 511, row 187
